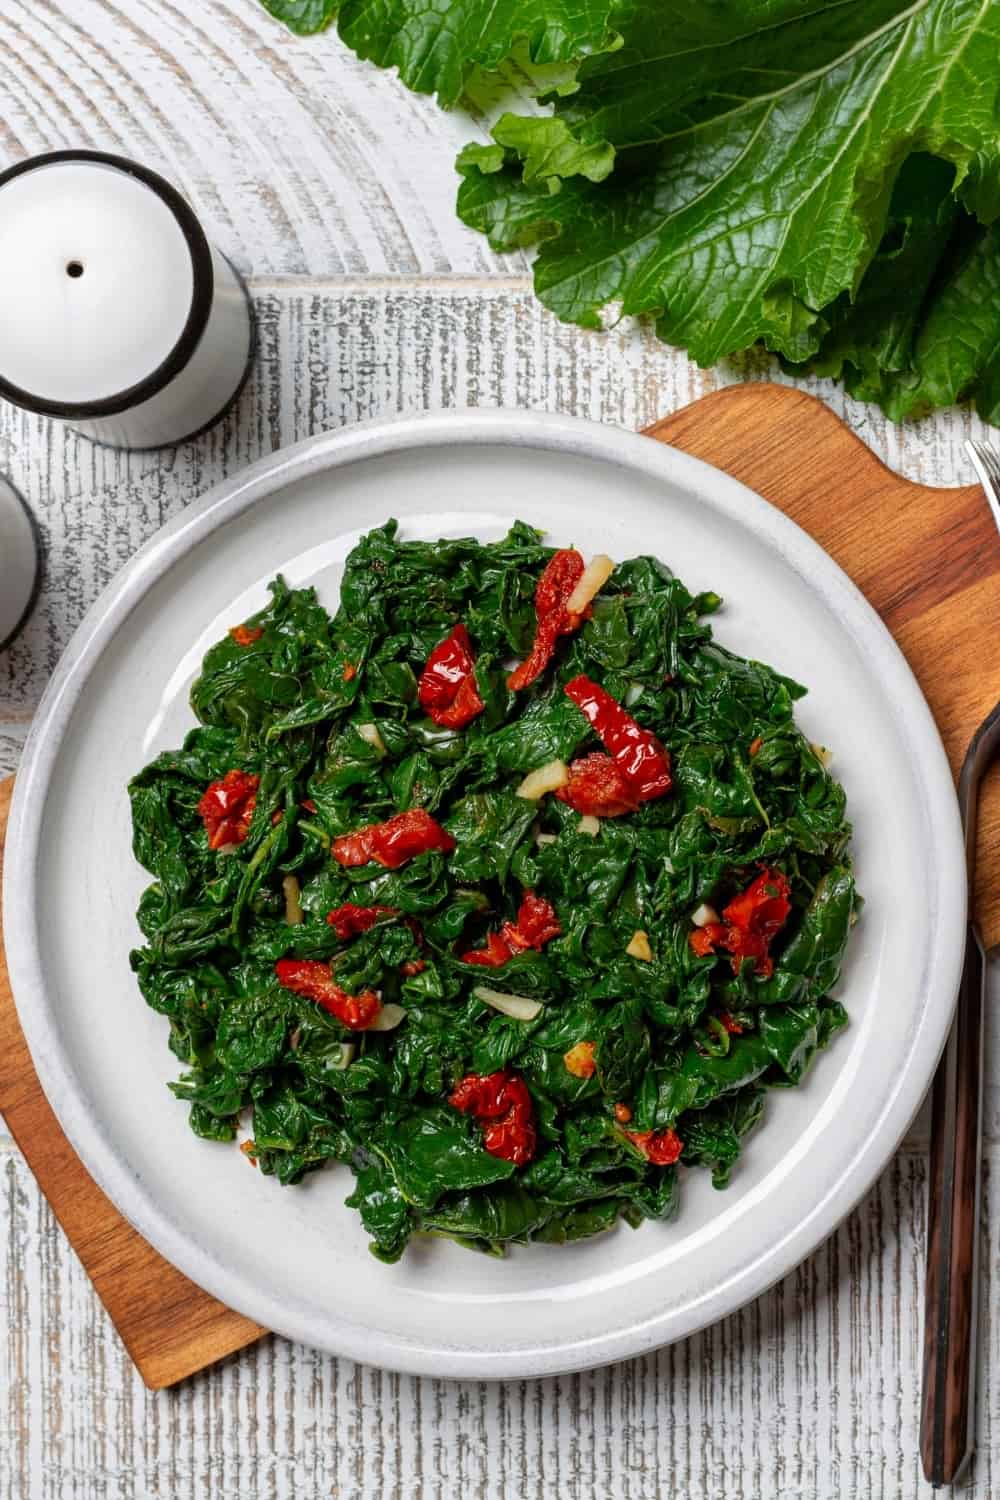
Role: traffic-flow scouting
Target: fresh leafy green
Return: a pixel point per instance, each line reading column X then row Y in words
column 287, row 706
column 436, row 46
column 819, row 176
column 754, row 165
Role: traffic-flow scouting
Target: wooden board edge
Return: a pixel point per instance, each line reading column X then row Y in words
column 187, row 1328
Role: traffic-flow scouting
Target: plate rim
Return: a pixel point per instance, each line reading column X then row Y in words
column 224, row 503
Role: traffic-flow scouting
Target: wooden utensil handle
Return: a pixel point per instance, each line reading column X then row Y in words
column 947, row 1418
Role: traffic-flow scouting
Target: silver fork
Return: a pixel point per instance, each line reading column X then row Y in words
column 948, row 1407
column 986, row 462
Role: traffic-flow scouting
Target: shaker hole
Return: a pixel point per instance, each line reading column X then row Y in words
column 74, row 269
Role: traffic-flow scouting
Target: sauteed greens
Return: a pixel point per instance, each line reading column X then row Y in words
column 518, row 1011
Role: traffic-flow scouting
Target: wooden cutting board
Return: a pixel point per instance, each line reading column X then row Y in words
column 928, row 560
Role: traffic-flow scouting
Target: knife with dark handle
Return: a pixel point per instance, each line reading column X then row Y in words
column 948, row 1407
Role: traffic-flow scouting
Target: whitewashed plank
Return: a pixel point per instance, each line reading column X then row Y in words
column 299, row 158
column 332, row 354
column 811, row 1392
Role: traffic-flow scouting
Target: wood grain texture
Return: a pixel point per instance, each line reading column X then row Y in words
column 927, row 558
column 170, row 1327
column 811, row 1392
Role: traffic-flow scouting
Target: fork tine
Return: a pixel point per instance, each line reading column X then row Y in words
column 992, row 458
column 987, row 466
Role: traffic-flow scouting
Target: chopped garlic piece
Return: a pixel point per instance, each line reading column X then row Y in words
column 545, row 838
column 548, row 778
column 590, row 582
column 388, row 1018
column 369, row 733
column 346, row 1057
column 704, row 915
column 518, row 1007
column 590, row 825
column 580, row 1060
column 293, row 906
column 822, row 754
column 639, row 947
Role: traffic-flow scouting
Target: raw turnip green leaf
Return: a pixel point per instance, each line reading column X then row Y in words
column 815, row 175
column 436, row 43
column 754, row 175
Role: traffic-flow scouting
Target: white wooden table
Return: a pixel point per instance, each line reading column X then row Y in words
column 332, row 188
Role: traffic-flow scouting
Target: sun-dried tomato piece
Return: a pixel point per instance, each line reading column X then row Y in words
column 350, row 672
column 560, row 577
column 227, row 806
column 581, row 1060
column 503, row 1106
column 750, row 922
column 733, row 1027
column 412, row 967
column 348, row 920
column 638, row 754
column 536, row 925
column 245, row 635
column 763, row 907
column 660, row 1147
column 705, row 940
column 447, row 687
column 394, row 842
column 596, row 788
column 494, row 955
column 314, row 981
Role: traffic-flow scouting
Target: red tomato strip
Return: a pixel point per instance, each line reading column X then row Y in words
column 502, row 1104
column 245, row 635
column 447, row 687
column 348, row 920
column 394, row 842
column 314, row 981
column 596, row 788
column 750, row 922
column 536, row 925
column 227, row 807
column 561, row 576
column 638, row 754
column 659, row 1147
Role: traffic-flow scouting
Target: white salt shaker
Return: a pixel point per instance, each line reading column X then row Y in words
column 116, row 314
column 19, row 562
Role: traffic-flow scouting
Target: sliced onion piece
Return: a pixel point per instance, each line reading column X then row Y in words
column 589, row 825
column 293, row 906
column 639, row 947
column 388, row 1018
column 369, row 733
column 548, row 778
column 590, row 582
column 518, row 1007
column 704, row 915
column 347, row 1051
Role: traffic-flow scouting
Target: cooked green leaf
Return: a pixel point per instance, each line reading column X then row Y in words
column 610, row 1031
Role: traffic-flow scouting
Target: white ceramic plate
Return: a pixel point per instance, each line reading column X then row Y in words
column 295, row 1259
